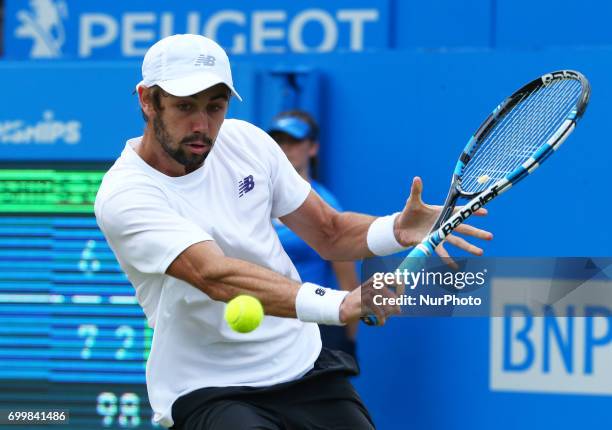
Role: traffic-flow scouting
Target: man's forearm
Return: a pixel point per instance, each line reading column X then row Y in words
column 231, row 277
column 335, row 235
column 348, row 239
column 222, row 278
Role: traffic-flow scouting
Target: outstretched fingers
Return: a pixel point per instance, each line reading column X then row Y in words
column 470, row 230
column 479, row 212
column 464, row 244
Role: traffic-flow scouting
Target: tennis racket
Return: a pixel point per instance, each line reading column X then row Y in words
column 516, row 138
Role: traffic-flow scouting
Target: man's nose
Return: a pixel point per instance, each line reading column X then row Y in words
column 200, row 123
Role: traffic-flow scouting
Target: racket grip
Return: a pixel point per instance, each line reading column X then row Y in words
column 413, row 262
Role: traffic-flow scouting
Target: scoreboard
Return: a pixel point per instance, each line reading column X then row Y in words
column 72, row 335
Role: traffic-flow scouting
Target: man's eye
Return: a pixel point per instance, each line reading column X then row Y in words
column 184, row 106
column 215, row 108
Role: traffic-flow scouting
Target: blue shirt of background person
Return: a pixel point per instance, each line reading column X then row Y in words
column 309, row 264
column 297, row 134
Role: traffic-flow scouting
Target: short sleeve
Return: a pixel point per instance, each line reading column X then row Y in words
column 143, row 230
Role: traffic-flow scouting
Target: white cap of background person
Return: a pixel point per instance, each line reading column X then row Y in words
column 185, row 64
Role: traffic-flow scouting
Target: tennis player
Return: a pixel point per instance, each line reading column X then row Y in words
column 187, row 210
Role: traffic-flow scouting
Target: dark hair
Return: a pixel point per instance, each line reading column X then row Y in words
column 314, row 134
column 156, row 93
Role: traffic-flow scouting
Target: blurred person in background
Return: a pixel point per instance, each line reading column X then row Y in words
column 297, row 133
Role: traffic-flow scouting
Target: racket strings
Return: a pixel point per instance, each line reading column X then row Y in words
column 541, row 123
column 516, row 137
column 533, row 128
column 540, row 120
column 548, row 121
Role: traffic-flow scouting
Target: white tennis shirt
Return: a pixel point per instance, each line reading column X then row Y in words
column 149, row 218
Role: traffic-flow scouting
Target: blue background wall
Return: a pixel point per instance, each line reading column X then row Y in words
column 388, row 114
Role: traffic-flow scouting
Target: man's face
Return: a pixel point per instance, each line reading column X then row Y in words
column 187, row 127
column 297, row 151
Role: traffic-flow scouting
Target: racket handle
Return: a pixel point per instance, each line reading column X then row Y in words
column 413, row 262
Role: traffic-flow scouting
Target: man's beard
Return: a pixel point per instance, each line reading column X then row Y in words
column 178, row 153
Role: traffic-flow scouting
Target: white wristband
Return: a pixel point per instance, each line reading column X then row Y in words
column 381, row 238
column 315, row 303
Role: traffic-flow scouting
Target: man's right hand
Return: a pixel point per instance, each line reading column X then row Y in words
column 360, row 302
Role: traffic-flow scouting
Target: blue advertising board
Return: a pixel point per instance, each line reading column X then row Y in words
column 67, row 112
column 70, row 29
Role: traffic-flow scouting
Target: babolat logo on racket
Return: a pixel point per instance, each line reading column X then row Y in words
column 548, row 78
column 465, row 213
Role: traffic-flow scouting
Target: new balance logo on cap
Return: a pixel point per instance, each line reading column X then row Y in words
column 205, row 60
column 186, row 64
column 320, row 291
column 246, row 185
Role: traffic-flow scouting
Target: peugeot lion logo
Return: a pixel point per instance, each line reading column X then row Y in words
column 43, row 24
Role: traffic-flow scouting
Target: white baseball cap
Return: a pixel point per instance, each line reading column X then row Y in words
column 185, row 64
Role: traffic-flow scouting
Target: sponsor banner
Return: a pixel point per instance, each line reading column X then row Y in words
column 552, row 354
column 554, row 337
column 71, row 29
column 45, row 131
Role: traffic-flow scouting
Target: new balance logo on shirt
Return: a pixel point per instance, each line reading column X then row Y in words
column 246, row 185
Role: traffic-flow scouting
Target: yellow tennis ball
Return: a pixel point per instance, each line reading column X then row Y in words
column 244, row 313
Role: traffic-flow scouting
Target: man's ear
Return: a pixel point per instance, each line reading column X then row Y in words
column 314, row 149
column 146, row 101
